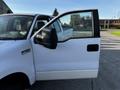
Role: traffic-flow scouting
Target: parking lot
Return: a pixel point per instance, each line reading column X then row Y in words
column 109, row 71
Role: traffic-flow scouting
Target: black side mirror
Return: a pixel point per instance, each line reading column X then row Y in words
column 47, row 38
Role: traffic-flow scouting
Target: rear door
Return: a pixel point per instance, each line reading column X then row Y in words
column 78, row 49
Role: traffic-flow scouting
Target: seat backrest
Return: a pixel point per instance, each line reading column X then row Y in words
column 40, row 24
column 18, row 27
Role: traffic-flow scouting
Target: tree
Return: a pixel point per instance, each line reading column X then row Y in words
column 55, row 13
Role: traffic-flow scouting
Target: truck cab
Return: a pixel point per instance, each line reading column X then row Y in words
column 43, row 47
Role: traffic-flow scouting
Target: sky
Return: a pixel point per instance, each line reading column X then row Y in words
column 108, row 9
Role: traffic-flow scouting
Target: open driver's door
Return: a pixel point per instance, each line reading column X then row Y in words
column 77, row 51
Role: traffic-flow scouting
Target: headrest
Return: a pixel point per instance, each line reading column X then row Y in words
column 18, row 27
column 40, row 24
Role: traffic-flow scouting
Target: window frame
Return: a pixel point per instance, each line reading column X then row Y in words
column 95, row 23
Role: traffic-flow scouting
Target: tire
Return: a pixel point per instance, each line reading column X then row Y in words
column 16, row 81
column 15, row 86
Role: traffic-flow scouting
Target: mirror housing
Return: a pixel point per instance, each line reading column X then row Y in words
column 47, row 38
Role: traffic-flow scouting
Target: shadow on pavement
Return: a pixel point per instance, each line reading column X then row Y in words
column 83, row 84
column 109, row 71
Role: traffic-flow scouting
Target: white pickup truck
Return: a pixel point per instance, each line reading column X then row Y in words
column 42, row 47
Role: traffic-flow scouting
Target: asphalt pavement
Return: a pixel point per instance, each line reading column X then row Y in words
column 109, row 71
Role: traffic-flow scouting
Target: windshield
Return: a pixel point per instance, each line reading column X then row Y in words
column 14, row 26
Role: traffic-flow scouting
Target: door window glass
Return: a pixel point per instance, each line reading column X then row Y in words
column 57, row 26
column 78, row 24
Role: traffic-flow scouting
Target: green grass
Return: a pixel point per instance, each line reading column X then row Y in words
column 116, row 33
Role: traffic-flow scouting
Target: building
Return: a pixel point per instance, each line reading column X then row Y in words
column 4, row 8
column 110, row 23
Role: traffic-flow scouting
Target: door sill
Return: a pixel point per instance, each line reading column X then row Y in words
column 73, row 74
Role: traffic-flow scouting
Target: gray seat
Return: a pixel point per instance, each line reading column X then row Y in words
column 40, row 24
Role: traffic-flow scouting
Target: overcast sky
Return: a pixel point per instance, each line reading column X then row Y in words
column 107, row 8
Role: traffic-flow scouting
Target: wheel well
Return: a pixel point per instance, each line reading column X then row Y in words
column 16, row 78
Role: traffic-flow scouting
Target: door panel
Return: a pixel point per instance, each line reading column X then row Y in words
column 78, row 48
column 70, row 55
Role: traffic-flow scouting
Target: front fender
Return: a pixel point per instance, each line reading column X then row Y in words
column 9, row 69
column 13, row 61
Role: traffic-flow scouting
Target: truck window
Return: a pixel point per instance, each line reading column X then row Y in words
column 14, row 26
column 57, row 27
column 81, row 24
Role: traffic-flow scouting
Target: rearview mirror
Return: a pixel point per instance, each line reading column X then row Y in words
column 47, row 38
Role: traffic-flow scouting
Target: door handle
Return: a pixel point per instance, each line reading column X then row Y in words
column 25, row 51
column 92, row 47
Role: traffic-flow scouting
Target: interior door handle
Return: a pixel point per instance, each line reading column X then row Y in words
column 92, row 47
column 25, row 51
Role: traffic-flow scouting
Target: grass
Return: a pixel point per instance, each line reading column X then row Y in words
column 116, row 33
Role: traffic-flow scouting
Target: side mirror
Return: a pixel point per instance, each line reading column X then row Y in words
column 47, row 38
